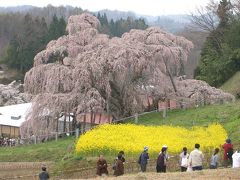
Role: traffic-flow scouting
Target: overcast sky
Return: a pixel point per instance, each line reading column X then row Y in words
column 145, row 7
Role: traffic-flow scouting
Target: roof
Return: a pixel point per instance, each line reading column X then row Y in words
column 14, row 115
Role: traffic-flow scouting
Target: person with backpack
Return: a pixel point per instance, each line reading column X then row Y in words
column 228, row 151
column 143, row 159
column 162, row 160
column 214, row 159
column 183, row 161
column 196, row 159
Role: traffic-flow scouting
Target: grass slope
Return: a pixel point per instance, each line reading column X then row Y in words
column 49, row 151
column 227, row 114
column 233, row 85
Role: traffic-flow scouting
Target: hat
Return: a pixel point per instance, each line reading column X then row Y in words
column 164, row 146
column 145, row 148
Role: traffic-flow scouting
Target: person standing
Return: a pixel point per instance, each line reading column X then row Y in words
column 228, row 151
column 183, row 161
column 143, row 159
column 121, row 153
column 214, row 159
column 44, row 174
column 162, row 160
column 102, row 166
column 119, row 169
column 236, row 159
column 196, row 159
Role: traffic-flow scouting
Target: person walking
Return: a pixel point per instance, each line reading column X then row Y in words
column 143, row 159
column 183, row 161
column 122, row 154
column 236, row 159
column 119, row 169
column 44, row 174
column 228, row 151
column 214, row 159
column 162, row 160
column 102, row 166
column 196, row 159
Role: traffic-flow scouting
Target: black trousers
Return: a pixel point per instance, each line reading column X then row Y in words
column 183, row 169
column 143, row 167
column 197, row 168
column 161, row 169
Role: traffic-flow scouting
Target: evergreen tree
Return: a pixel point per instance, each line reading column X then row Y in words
column 219, row 56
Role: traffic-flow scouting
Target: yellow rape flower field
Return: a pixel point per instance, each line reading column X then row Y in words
column 110, row 139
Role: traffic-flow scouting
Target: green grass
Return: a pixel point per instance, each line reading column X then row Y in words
column 227, row 114
column 233, row 85
column 64, row 158
column 49, row 151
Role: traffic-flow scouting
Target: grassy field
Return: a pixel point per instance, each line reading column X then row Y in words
column 64, row 158
column 49, row 151
column 227, row 115
column 233, row 85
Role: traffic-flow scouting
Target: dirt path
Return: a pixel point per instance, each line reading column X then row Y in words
column 220, row 174
column 21, row 170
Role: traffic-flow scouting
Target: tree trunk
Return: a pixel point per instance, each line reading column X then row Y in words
column 170, row 76
column 64, row 122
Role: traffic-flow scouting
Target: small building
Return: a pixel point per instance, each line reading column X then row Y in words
column 11, row 118
column 168, row 104
column 89, row 120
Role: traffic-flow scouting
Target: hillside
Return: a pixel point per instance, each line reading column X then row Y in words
column 233, row 85
column 228, row 115
column 62, row 151
column 49, row 151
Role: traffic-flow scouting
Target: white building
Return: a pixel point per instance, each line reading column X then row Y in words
column 11, row 118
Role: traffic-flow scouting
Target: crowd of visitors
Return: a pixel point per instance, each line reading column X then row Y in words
column 7, row 142
column 192, row 161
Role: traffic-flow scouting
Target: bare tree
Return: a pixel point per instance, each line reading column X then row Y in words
column 205, row 18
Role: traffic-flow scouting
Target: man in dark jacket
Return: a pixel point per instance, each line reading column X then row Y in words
column 44, row 174
column 143, row 159
column 162, row 160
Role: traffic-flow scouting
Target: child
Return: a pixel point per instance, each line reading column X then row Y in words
column 44, row 174
column 214, row 159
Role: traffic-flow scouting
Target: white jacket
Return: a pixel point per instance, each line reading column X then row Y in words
column 236, row 160
column 196, row 158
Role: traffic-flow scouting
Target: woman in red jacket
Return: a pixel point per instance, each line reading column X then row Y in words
column 228, row 150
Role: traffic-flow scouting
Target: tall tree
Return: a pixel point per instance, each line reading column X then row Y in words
column 216, row 64
column 102, row 74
